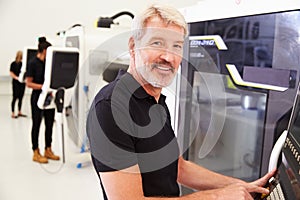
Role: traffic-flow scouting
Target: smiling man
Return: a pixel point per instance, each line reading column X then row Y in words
column 156, row 58
column 134, row 148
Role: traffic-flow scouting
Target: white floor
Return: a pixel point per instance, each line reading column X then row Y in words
column 21, row 178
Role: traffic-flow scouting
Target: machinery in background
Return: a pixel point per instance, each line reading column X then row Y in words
column 227, row 125
column 61, row 70
column 285, row 157
column 30, row 51
column 102, row 52
column 28, row 54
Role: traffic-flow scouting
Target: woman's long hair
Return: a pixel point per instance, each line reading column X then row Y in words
column 19, row 56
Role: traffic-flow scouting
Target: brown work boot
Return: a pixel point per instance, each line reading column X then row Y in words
column 50, row 155
column 37, row 157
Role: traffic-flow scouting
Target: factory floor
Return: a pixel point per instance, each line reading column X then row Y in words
column 21, row 178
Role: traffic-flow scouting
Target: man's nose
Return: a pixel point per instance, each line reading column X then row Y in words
column 168, row 55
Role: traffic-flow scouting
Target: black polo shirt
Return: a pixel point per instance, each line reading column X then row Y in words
column 36, row 70
column 126, row 126
column 15, row 67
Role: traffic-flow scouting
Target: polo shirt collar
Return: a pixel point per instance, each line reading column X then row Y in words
column 140, row 92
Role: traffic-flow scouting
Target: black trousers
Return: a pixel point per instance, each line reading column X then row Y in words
column 18, row 93
column 37, row 116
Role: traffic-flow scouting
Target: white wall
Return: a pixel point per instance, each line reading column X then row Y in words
column 22, row 22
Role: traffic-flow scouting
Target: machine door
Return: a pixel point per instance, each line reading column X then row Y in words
column 224, row 125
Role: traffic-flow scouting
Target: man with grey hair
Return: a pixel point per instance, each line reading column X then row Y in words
column 134, row 149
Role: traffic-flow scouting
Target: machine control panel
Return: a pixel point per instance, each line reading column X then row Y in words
column 291, row 150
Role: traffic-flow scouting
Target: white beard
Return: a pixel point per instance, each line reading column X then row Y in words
column 156, row 79
column 156, row 74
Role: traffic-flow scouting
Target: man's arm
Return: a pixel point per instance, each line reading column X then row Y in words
column 33, row 85
column 127, row 184
column 199, row 178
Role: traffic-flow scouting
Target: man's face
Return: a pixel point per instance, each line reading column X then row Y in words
column 159, row 52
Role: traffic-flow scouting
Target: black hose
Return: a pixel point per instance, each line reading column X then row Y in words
column 122, row 13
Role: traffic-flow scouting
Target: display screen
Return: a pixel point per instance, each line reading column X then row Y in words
column 64, row 69
column 31, row 53
column 250, row 41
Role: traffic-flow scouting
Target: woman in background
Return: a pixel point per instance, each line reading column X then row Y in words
column 35, row 80
column 18, row 88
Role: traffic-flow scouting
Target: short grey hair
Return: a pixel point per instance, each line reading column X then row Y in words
column 168, row 14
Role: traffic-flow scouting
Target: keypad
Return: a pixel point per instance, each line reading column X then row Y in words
column 276, row 194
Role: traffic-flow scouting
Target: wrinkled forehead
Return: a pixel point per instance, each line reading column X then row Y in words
column 167, row 36
column 163, row 33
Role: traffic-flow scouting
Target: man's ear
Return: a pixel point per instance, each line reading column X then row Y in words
column 131, row 46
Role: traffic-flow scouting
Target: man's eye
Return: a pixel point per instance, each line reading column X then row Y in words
column 178, row 46
column 157, row 43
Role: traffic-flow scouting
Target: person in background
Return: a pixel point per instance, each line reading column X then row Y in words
column 35, row 80
column 18, row 88
column 133, row 146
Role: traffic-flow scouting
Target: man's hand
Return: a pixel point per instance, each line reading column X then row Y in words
column 241, row 190
column 263, row 181
column 236, row 191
